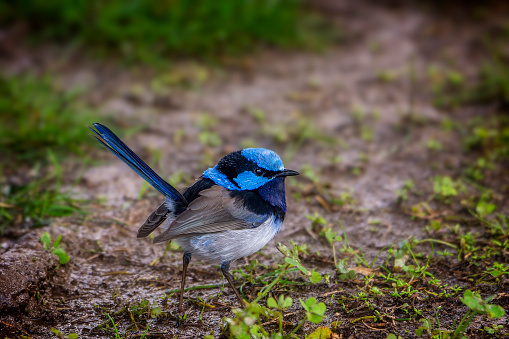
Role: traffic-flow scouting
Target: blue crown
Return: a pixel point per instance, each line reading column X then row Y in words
column 264, row 158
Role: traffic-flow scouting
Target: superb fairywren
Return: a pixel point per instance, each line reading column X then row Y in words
column 232, row 211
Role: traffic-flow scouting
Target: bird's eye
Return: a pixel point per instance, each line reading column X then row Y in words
column 258, row 171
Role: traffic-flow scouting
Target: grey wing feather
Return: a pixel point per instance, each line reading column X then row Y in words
column 213, row 211
column 153, row 221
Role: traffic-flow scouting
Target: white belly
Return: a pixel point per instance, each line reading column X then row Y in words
column 230, row 245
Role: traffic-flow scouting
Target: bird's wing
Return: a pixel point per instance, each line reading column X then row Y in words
column 153, row 221
column 213, row 211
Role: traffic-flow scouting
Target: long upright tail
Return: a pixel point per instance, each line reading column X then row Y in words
column 106, row 137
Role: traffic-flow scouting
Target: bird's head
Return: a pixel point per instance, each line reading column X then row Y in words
column 248, row 169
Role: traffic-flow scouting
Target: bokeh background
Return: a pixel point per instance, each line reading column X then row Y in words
column 394, row 112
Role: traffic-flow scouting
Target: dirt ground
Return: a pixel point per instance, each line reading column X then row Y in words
column 111, row 269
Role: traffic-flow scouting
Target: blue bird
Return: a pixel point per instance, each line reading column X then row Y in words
column 232, row 211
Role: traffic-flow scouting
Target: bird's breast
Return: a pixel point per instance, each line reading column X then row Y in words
column 233, row 244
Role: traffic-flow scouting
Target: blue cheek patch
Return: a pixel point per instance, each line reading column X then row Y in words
column 220, row 179
column 249, row 181
column 264, row 158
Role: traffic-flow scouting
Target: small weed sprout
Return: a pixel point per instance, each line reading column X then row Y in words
column 61, row 335
column 316, row 221
column 434, row 145
column 402, row 194
column 445, row 188
column 35, row 203
column 54, row 247
column 497, row 270
column 308, row 171
column 281, row 304
column 476, row 306
column 332, row 238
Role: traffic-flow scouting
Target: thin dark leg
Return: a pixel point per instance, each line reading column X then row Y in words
column 225, row 267
column 186, row 259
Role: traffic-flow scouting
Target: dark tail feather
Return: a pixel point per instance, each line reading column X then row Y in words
column 154, row 220
column 117, row 147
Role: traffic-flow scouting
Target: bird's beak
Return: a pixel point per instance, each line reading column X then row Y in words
column 287, row 173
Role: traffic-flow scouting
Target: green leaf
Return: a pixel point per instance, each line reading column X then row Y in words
column 314, row 318
column 271, row 303
column 473, row 301
column 495, row 311
column 319, row 308
column 315, row 277
column 57, row 241
column 54, row 330
column 283, row 249
column 321, row 333
column 496, row 273
column 418, row 332
column 332, row 236
column 46, row 240
column 297, row 264
column 62, row 256
column 310, row 302
column 155, row 311
column 287, row 302
column 72, row 336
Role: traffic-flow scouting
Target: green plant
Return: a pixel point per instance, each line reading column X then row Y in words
column 314, row 311
column 144, row 308
column 281, row 304
column 493, row 329
column 117, row 335
column 316, row 219
column 292, row 259
column 476, row 305
column 445, row 188
column 402, row 194
column 63, row 336
column 309, row 172
column 434, row 145
column 151, row 30
column 429, row 328
column 54, row 247
column 484, row 207
column 344, row 272
column 247, row 322
column 332, row 238
column 343, row 199
column 320, row 332
column 497, row 270
column 491, row 85
column 35, row 203
column 36, row 116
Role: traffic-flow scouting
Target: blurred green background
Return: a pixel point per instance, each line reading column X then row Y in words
column 43, row 123
column 151, row 30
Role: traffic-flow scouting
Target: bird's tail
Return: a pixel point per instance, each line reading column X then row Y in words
column 106, row 137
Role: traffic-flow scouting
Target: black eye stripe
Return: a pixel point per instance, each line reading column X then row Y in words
column 269, row 174
column 234, row 163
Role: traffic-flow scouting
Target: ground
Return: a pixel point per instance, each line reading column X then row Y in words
column 357, row 120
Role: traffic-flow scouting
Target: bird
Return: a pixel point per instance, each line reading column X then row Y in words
column 232, row 211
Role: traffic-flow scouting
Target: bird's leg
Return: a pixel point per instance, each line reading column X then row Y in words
column 186, row 259
column 225, row 268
